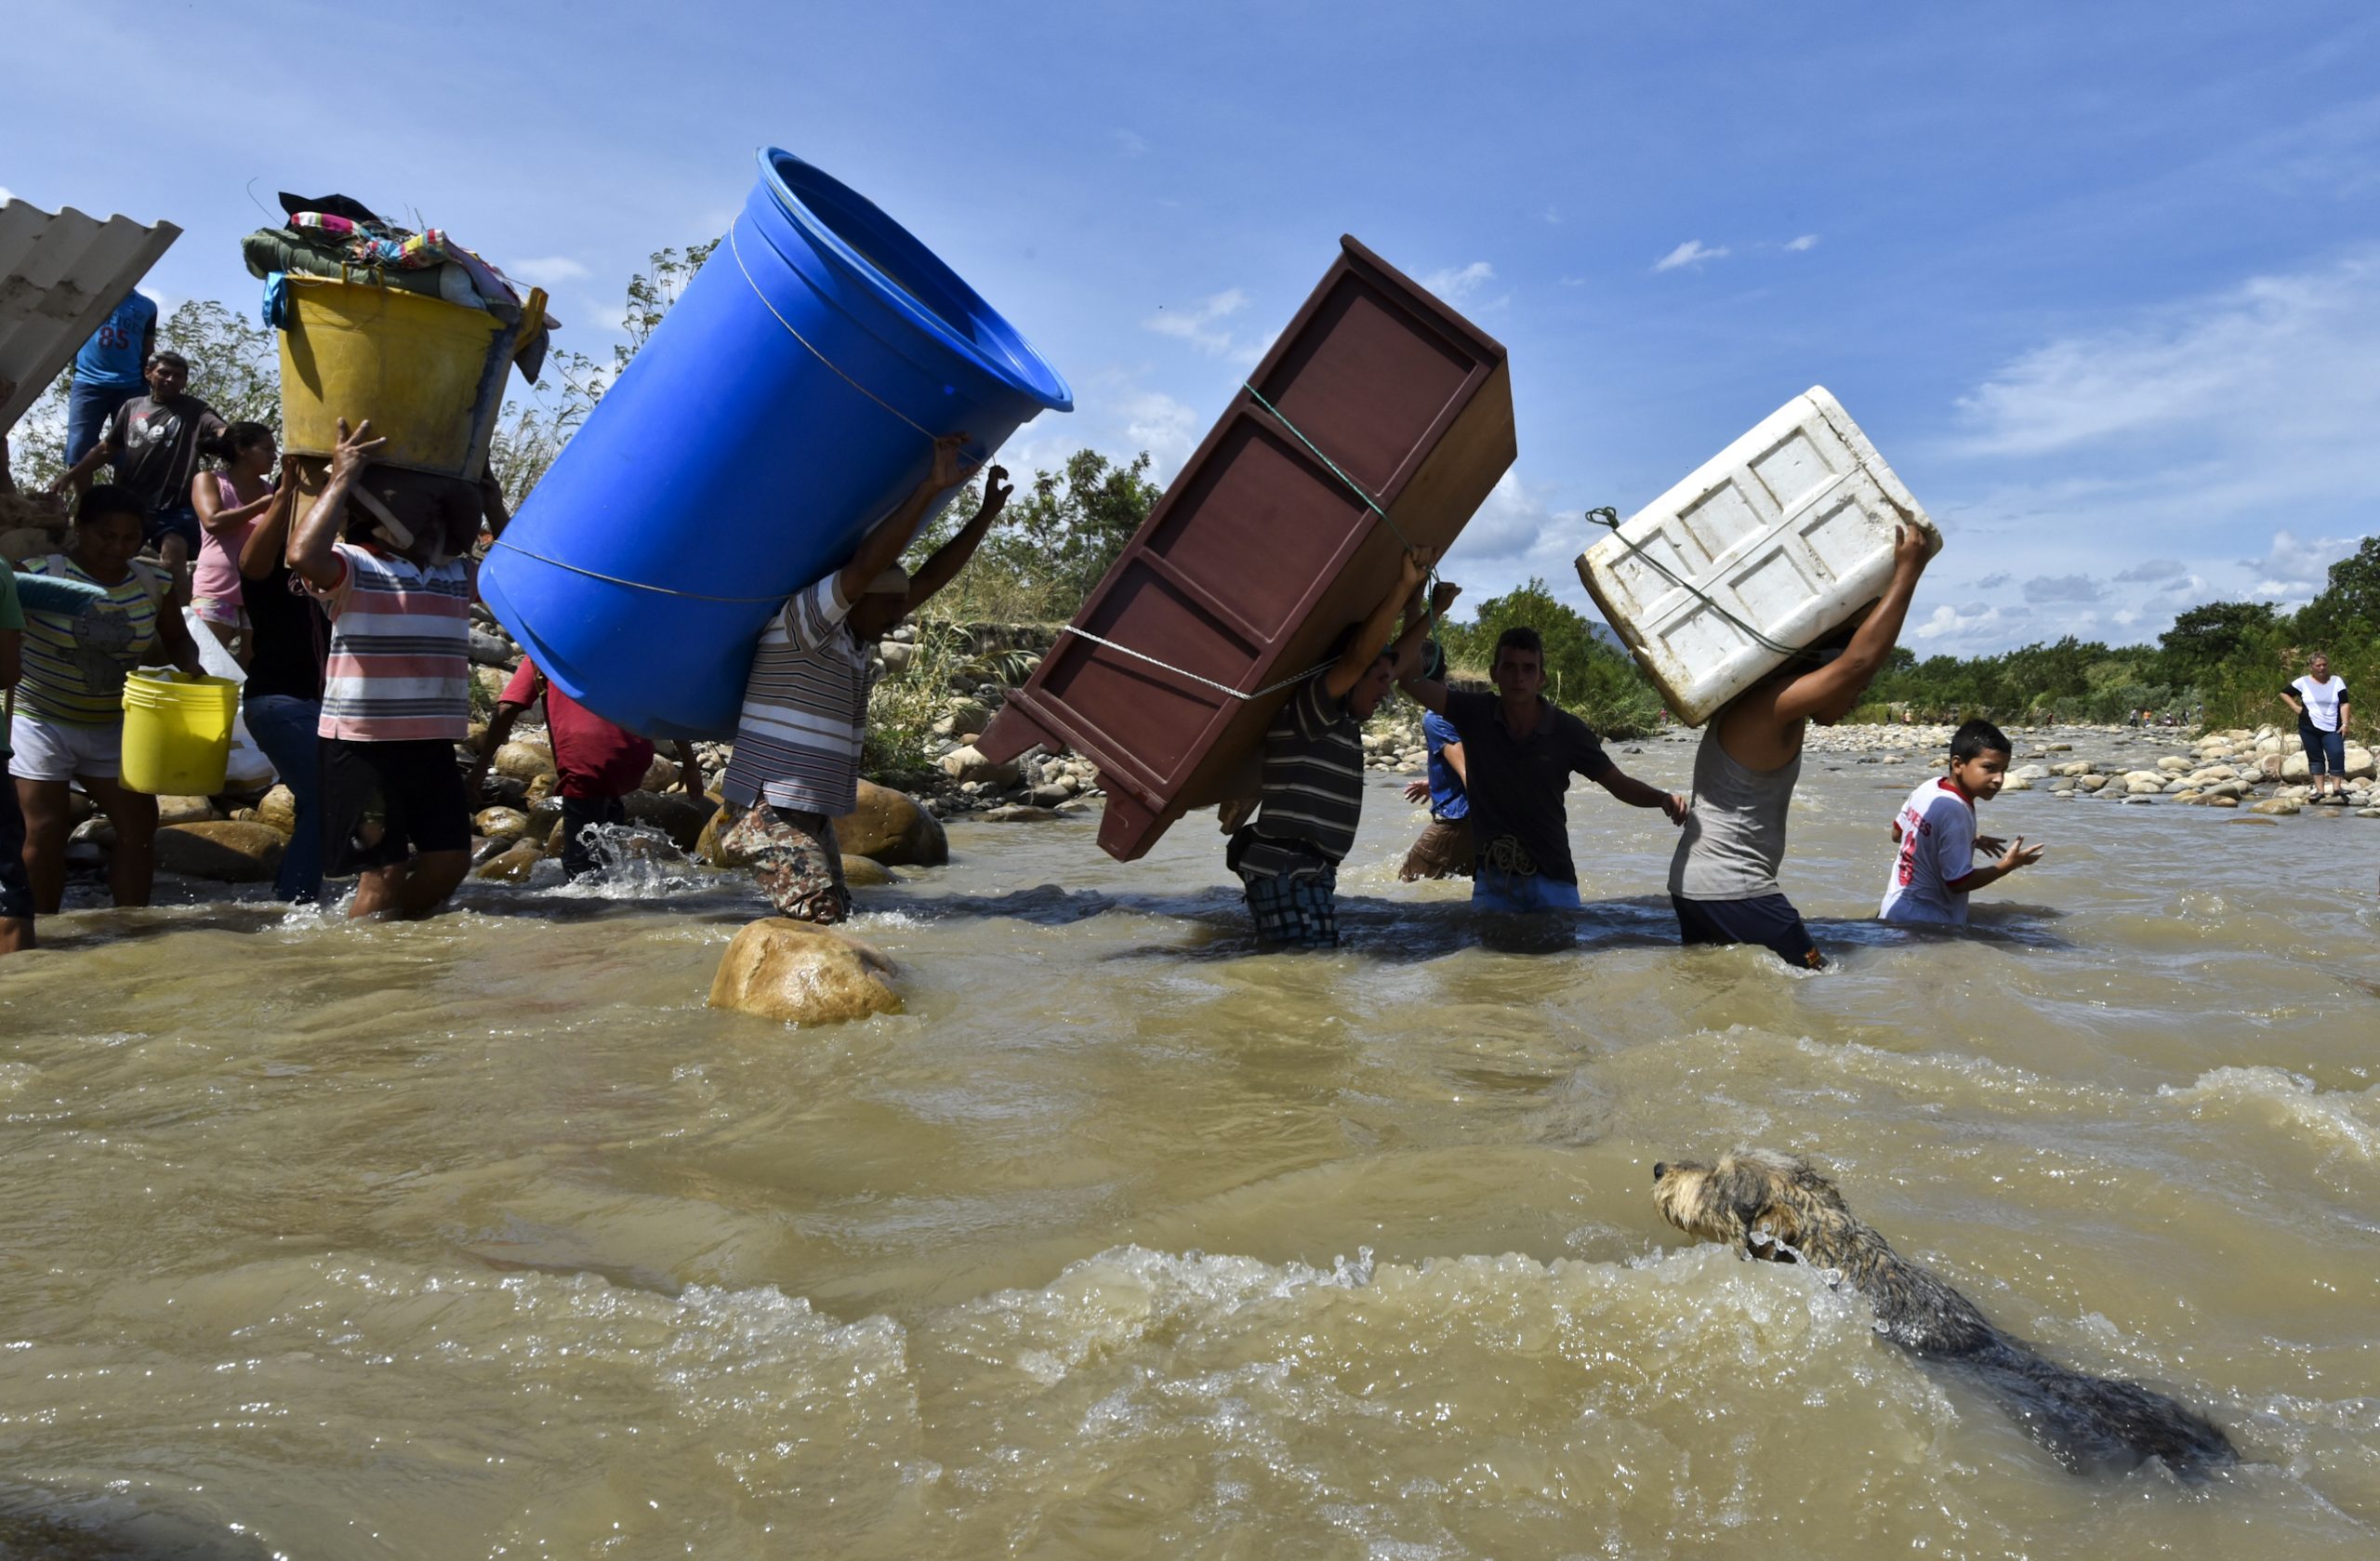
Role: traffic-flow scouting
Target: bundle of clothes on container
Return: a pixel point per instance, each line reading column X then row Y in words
column 428, row 505
column 339, row 236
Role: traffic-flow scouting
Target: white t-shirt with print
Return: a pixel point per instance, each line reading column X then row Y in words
column 2322, row 700
column 1937, row 849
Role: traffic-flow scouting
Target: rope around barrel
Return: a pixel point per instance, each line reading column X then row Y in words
column 733, row 249
column 636, row 585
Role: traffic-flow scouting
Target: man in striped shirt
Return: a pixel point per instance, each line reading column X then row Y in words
column 1287, row 860
column 797, row 742
column 396, row 699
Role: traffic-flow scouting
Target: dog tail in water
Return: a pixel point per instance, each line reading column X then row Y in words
column 2093, row 1424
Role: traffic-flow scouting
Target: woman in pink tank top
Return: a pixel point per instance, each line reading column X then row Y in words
column 230, row 500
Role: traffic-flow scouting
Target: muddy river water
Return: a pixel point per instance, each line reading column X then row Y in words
column 484, row 1237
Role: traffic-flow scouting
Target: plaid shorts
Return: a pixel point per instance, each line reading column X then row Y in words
column 1301, row 912
column 794, row 859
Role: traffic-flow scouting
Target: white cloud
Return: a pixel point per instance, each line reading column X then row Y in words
column 1807, row 242
column 2241, row 413
column 1994, row 581
column 1455, row 284
column 1963, row 621
column 1132, row 144
column 548, row 270
column 2063, row 588
column 2292, row 571
column 1167, row 428
column 7, row 194
column 2278, row 362
column 1197, row 325
column 1692, row 252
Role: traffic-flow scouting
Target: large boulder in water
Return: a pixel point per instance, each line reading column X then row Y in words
column 501, row 824
column 524, row 760
column 224, row 850
column 512, row 865
column 891, row 827
column 779, row 969
column 278, row 808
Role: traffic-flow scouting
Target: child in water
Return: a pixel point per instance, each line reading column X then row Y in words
column 1934, row 869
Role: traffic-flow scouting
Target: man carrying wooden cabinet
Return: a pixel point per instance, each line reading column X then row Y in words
column 1287, row 860
column 1521, row 750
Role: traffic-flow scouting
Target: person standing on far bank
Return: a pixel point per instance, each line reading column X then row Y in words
column 2320, row 703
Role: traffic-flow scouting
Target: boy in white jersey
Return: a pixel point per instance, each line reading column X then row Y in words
column 1933, row 869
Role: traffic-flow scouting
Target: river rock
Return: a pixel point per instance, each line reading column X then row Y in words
column 222, row 850
column 2175, row 764
column 501, row 824
column 185, row 810
column 785, row 970
column 512, row 865
column 526, row 762
column 2223, row 801
column 1016, row 812
column 706, row 846
column 278, row 810
column 2276, row 807
column 2078, row 768
column 659, row 776
column 2089, row 782
column 673, row 813
column 891, row 827
column 866, row 872
column 967, row 762
column 2361, row 764
column 2294, row 766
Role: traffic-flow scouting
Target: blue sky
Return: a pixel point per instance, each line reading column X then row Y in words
column 2102, row 281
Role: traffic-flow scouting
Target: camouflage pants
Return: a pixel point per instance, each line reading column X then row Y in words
column 794, row 859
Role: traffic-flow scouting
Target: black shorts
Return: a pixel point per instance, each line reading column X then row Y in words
column 15, row 889
column 178, row 520
column 383, row 802
column 1771, row 921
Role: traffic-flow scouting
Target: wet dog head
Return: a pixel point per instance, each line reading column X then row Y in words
column 1756, row 1200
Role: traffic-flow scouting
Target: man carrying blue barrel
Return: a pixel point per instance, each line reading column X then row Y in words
column 805, row 705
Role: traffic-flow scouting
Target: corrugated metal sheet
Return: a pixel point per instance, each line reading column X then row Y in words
column 59, row 277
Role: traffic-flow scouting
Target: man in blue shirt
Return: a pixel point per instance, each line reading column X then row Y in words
column 109, row 372
column 1445, row 848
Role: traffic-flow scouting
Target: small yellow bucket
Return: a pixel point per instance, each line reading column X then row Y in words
column 428, row 374
column 178, row 732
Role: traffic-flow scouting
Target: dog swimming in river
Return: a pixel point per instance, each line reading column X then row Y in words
column 1775, row 1208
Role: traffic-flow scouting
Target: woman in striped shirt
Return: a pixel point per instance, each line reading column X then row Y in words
column 70, row 702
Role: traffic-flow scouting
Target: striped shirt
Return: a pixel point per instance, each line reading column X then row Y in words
column 1314, row 785
column 74, row 663
column 805, row 710
column 400, row 666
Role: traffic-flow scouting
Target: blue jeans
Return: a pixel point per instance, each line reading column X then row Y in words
column 284, row 726
column 88, row 407
column 1521, row 892
column 2322, row 747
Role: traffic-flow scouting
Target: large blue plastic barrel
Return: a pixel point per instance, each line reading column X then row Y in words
column 787, row 403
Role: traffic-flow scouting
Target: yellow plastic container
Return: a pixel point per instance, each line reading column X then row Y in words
column 178, row 732
column 428, row 374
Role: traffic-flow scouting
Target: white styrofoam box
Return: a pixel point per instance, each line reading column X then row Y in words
column 1789, row 529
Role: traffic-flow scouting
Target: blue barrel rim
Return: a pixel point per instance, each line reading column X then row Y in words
column 822, row 207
